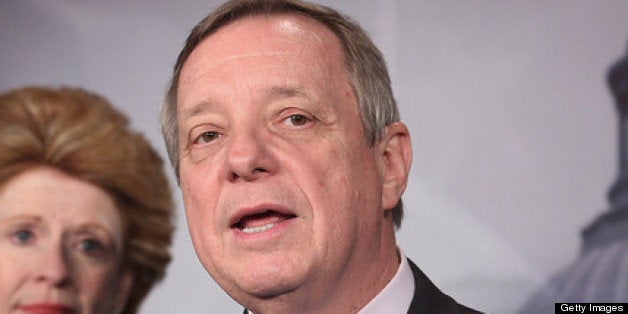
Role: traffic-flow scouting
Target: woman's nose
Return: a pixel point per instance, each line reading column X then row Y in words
column 54, row 268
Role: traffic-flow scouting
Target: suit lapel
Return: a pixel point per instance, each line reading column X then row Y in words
column 428, row 299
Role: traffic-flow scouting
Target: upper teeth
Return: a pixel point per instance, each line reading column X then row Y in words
column 259, row 228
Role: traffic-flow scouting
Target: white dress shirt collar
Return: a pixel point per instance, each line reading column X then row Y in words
column 396, row 297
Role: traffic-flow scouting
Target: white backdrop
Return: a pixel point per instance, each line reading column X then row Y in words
column 513, row 127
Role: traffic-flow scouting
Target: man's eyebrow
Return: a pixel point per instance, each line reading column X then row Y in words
column 287, row 91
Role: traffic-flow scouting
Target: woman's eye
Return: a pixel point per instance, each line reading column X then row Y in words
column 91, row 246
column 297, row 120
column 207, row 137
column 23, row 236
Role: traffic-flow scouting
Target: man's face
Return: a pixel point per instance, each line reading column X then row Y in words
column 281, row 191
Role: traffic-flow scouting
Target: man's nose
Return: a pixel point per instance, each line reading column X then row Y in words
column 53, row 268
column 249, row 156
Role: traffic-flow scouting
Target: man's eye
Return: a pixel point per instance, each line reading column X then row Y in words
column 297, row 120
column 207, row 137
column 23, row 236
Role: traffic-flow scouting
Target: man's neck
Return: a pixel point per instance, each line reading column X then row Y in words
column 396, row 297
column 355, row 294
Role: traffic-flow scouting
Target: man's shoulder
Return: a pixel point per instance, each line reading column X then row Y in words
column 429, row 299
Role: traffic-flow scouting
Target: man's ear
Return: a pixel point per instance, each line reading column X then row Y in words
column 396, row 155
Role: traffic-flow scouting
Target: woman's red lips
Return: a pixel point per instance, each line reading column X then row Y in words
column 46, row 308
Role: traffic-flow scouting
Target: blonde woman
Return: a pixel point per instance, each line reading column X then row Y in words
column 85, row 207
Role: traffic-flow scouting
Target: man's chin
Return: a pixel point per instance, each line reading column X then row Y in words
column 267, row 287
column 270, row 291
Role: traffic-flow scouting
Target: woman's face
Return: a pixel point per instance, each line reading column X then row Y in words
column 61, row 246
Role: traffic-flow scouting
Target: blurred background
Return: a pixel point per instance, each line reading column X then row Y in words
column 514, row 129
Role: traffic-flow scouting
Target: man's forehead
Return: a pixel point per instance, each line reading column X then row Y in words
column 255, row 38
column 267, row 35
column 284, row 91
column 211, row 61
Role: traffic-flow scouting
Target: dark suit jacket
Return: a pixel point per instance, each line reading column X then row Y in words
column 428, row 299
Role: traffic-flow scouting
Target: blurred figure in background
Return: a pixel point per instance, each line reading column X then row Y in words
column 600, row 274
column 85, row 207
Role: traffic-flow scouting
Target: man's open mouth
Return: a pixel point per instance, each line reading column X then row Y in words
column 261, row 221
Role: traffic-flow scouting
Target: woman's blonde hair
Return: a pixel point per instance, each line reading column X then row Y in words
column 81, row 134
